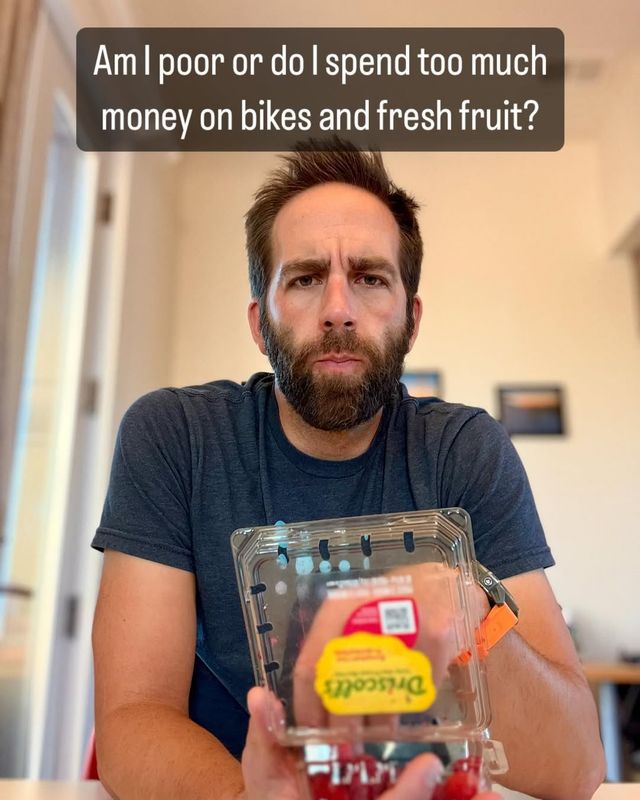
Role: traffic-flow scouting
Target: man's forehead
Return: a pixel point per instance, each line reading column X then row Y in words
column 335, row 214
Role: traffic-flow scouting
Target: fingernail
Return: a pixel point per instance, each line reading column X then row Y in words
column 432, row 776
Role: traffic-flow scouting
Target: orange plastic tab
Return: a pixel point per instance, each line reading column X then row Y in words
column 499, row 621
column 493, row 627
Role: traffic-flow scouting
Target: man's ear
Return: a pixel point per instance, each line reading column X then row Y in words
column 417, row 316
column 253, row 314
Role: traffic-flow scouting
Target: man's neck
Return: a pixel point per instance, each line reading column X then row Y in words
column 328, row 445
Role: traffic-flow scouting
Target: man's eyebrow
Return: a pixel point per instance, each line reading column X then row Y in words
column 303, row 265
column 375, row 263
column 358, row 264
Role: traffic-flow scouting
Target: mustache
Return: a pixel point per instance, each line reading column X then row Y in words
column 338, row 342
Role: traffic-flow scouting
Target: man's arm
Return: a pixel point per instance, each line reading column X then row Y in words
column 543, row 710
column 144, row 644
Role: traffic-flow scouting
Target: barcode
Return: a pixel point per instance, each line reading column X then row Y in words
column 396, row 616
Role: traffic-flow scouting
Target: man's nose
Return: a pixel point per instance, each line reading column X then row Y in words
column 338, row 308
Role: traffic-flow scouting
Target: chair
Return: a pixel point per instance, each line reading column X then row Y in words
column 90, row 766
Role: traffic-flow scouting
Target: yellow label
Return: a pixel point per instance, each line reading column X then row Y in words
column 367, row 673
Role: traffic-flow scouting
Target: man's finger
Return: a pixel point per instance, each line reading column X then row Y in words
column 259, row 749
column 257, row 702
column 418, row 779
column 268, row 769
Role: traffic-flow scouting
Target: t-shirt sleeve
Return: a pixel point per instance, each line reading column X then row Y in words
column 484, row 475
column 146, row 511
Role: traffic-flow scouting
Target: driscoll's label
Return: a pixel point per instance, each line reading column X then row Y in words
column 366, row 673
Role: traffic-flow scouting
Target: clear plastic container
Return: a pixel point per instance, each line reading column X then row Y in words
column 364, row 630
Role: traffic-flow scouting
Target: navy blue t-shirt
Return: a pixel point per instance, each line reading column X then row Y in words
column 192, row 465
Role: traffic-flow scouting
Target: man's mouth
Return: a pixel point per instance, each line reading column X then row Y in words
column 339, row 358
column 338, row 362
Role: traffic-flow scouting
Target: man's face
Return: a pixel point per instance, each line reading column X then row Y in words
column 334, row 322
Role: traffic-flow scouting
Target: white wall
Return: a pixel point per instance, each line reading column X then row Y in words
column 211, row 339
column 620, row 148
column 517, row 287
column 146, row 326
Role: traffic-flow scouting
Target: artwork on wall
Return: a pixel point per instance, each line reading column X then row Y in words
column 423, row 383
column 532, row 409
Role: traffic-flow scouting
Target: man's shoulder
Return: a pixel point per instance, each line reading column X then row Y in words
column 223, row 391
column 202, row 407
column 226, row 390
column 434, row 409
column 438, row 421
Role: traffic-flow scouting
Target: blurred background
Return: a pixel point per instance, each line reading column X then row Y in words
column 123, row 272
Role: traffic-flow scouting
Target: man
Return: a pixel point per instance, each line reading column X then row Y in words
column 334, row 259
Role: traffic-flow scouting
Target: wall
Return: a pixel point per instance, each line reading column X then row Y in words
column 212, row 291
column 148, row 292
column 619, row 138
column 518, row 286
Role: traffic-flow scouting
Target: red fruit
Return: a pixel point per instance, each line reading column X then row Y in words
column 439, row 792
column 319, row 785
column 360, row 777
column 468, row 764
column 363, row 772
column 460, row 786
column 339, row 793
column 323, row 789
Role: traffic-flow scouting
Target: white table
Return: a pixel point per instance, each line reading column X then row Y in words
column 52, row 790
column 608, row 791
column 91, row 790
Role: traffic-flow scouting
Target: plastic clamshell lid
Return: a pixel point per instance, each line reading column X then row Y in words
column 348, row 621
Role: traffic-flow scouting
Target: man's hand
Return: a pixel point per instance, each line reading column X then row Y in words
column 270, row 773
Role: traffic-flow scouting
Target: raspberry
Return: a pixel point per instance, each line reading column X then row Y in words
column 319, row 785
column 439, row 792
column 458, row 786
column 468, row 764
column 339, row 793
column 323, row 789
column 362, row 776
column 362, row 786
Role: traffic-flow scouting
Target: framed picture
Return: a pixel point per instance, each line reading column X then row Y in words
column 532, row 409
column 425, row 383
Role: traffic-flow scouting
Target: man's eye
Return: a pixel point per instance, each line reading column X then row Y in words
column 303, row 281
column 371, row 280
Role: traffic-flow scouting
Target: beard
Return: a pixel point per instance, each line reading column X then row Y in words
column 335, row 402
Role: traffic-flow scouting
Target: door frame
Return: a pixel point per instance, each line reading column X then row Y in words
column 60, row 681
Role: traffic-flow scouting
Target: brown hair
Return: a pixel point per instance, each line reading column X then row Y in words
column 312, row 163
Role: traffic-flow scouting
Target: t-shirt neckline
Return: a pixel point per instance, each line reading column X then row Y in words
column 318, row 466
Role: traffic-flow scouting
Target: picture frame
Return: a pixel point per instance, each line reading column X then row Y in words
column 532, row 409
column 423, row 383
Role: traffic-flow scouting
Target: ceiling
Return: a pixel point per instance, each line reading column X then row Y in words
column 596, row 34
